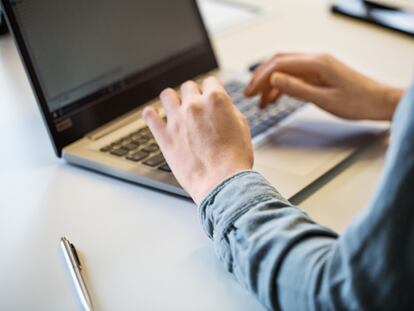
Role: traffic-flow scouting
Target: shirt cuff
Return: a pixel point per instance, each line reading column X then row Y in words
column 232, row 198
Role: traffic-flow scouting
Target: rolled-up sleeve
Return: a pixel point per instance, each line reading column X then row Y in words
column 253, row 228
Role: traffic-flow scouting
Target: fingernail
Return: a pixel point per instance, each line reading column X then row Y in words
column 145, row 113
column 162, row 94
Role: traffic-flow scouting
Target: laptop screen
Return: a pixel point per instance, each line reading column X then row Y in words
column 84, row 53
column 76, row 53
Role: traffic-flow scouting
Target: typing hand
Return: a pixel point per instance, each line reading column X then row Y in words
column 205, row 139
column 328, row 83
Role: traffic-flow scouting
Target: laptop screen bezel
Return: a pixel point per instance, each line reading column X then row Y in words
column 185, row 66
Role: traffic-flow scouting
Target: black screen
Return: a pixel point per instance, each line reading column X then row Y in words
column 81, row 47
column 92, row 61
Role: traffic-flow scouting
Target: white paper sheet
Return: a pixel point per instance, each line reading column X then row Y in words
column 223, row 15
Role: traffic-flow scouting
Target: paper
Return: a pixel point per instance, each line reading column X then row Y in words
column 226, row 14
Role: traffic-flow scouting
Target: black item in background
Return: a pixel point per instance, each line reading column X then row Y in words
column 3, row 25
column 347, row 8
column 67, row 129
column 252, row 68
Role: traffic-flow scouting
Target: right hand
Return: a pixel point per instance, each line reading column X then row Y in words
column 326, row 82
column 205, row 139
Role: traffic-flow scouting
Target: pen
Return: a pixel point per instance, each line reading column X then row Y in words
column 75, row 267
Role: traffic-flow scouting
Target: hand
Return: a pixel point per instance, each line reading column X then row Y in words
column 205, row 140
column 326, row 82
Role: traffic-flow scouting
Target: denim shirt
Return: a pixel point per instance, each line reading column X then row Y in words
column 289, row 262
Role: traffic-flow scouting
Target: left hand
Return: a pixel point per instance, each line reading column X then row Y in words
column 205, row 139
column 328, row 83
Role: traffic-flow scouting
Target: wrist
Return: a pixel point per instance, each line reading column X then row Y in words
column 391, row 98
column 203, row 185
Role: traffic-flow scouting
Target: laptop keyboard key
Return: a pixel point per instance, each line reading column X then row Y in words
column 120, row 152
column 155, row 160
column 144, row 131
column 137, row 156
column 261, row 120
column 126, row 141
column 165, row 168
column 106, row 148
column 151, row 148
column 141, row 140
column 131, row 146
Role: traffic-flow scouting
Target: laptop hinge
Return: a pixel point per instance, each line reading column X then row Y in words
column 133, row 115
column 114, row 125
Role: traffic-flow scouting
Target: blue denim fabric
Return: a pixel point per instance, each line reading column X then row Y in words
column 290, row 262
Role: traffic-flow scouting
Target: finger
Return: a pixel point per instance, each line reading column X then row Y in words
column 212, row 84
column 284, row 54
column 189, row 90
column 297, row 88
column 252, row 86
column 258, row 73
column 155, row 123
column 278, row 56
column 299, row 65
column 274, row 95
column 270, row 98
column 171, row 102
column 304, row 66
column 265, row 95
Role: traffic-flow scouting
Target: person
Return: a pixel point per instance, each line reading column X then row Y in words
column 272, row 247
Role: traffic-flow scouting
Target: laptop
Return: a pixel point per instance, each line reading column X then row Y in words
column 94, row 65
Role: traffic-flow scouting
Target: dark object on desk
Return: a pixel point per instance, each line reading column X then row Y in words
column 254, row 66
column 385, row 16
column 3, row 25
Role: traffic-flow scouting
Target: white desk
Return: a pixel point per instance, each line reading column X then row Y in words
column 145, row 250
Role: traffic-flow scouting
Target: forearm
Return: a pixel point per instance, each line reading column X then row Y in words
column 291, row 263
column 254, row 229
column 390, row 99
column 278, row 253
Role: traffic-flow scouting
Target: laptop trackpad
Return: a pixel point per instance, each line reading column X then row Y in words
column 312, row 140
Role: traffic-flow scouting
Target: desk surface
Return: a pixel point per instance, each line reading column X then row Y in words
column 145, row 250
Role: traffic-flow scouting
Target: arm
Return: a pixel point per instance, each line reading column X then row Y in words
column 272, row 247
column 253, row 232
column 277, row 252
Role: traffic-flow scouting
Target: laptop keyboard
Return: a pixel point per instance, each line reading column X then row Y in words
column 138, row 146
column 141, row 147
column 261, row 120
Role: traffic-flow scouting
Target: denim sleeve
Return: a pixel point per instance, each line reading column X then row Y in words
column 291, row 263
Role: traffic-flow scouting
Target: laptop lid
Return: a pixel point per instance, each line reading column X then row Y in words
column 92, row 61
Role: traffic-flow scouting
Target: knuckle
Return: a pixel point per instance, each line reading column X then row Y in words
column 211, row 79
column 166, row 141
column 187, row 83
column 324, row 57
column 167, row 93
column 276, row 55
column 174, row 126
column 193, row 108
column 244, row 121
column 217, row 97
